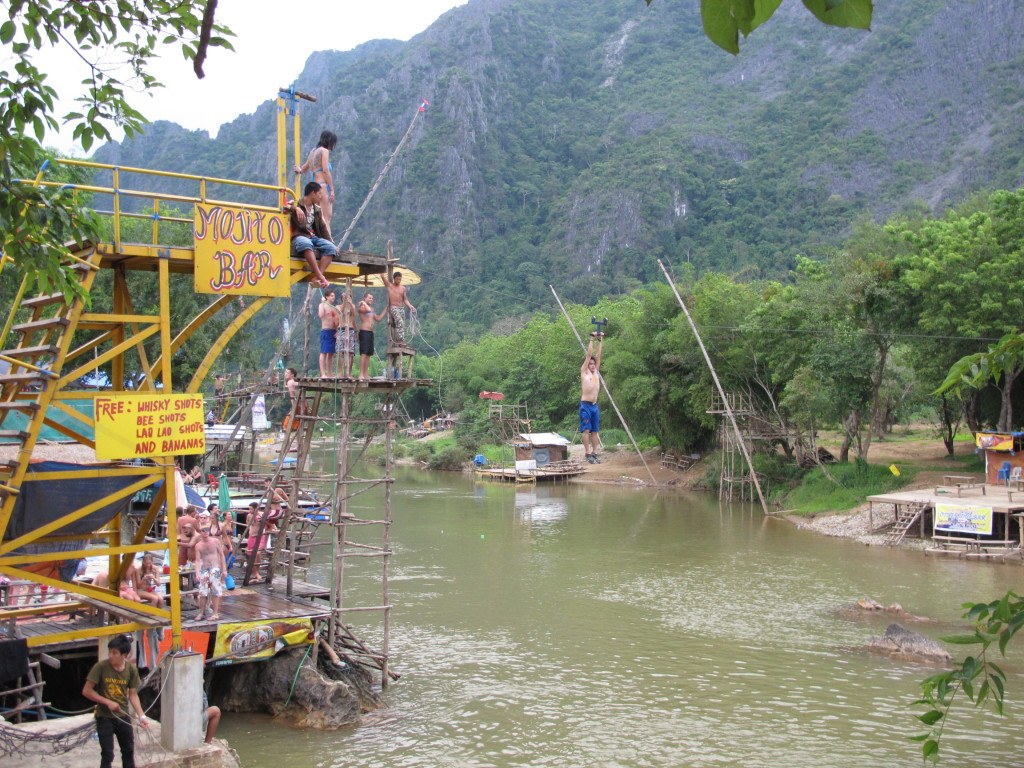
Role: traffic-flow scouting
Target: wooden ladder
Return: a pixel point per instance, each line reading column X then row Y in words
column 904, row 519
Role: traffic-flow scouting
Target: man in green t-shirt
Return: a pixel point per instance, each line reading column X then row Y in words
column 111, row 684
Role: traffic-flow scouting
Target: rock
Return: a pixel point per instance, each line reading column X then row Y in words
column 318, row 701
column 900, row 643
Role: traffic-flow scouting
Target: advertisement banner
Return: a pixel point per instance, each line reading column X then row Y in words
column 256, row 640
column 963, row 518
column 259, row 413
column 241, row 251
column 994, row 442
column 140, row 426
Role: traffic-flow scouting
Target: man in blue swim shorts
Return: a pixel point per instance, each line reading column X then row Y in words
column 590, row 385
column 330, row 319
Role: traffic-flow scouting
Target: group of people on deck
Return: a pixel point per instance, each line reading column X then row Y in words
column 345, row 328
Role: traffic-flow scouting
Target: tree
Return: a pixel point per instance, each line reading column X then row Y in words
column 978, row 677
column 967, row 270
column 724, row 19
column 37, row 221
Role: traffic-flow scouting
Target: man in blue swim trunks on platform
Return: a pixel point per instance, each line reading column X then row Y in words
column 310, row 235
column 330, row 319
column 590, row 384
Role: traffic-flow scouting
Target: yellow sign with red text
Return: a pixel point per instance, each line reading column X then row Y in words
column 241, row 251
column 141, row 426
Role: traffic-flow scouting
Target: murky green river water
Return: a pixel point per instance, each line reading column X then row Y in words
column 598, row 626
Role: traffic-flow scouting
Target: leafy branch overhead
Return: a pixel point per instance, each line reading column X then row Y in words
column 977, row 677
column 116, row 40
column 724, row 19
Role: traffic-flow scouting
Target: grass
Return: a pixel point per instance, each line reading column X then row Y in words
column 849, row 487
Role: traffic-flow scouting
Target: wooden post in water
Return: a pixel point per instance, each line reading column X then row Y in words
column 338, row 523
column 718, row 386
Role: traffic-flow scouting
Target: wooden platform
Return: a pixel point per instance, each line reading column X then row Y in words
column 349, row 385
column 565, row 470
column 254, row 603
column 1004, row 500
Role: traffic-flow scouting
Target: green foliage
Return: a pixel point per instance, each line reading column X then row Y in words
column 724, row 19
column 838, row 487
column 451, row 458
column 977, row 676
column 38, row 221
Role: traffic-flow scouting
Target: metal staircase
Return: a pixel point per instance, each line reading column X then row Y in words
column 905, row 517
column 35, row 349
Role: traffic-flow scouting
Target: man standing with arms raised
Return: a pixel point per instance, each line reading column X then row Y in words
column 590, row 386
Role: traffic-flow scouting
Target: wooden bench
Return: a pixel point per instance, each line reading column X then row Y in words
column 960, row 483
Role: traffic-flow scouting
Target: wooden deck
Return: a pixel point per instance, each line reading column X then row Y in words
column 563, row 470
column 1004, row 500
column 254, row 603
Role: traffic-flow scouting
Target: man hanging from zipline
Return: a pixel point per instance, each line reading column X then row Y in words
column 590, row 385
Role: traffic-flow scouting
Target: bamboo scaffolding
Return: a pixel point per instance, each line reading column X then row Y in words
column 718, row 386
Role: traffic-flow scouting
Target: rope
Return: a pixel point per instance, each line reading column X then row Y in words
column 296, row 679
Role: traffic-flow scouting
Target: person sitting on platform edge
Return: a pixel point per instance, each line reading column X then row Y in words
column 590, row 384
column 111, row 684
column 310, row 235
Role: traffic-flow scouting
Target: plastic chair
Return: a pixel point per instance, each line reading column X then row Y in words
column 1003, row 475
column 1015, row 474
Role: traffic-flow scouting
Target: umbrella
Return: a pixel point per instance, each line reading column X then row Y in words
column 223, row 494
column 179, row 489
column 189, row 496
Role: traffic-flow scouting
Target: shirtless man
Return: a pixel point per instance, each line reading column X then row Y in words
column 366, row 321
column 311, row 236
column 590, row 384
column 186, row 530
column 292, row 385
column 210, row 570
column 347, row 336
column 330, row 319
column 398, row 299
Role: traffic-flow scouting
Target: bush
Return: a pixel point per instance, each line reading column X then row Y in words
column 420, row 452
column 850, row 485
column 450, row 458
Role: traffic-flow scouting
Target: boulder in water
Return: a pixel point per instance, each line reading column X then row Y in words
column 900, row 643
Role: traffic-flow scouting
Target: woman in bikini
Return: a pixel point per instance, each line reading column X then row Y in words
column 149, row 581
column 318, row 163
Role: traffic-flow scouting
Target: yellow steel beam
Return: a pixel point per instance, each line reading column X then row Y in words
column 88, row 346
column 154, row 473
column 72, row 412
column 46, row 557
column 109, row 598
column 114, row 351
column 67, row 431
column 222, row 341
column 84, row 634
column 71, row 517
column 103, row 319
column 186, row 333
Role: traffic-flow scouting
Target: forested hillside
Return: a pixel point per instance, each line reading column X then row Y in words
column 575, row 143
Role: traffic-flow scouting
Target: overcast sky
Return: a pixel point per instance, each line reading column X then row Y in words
column 273, row 41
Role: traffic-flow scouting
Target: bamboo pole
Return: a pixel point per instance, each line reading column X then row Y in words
column 718, row 386
column 618, row 413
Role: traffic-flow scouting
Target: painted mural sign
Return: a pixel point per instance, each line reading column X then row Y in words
column 241, row 251
column 963, row 518
column 141, row 426
column 254, row 640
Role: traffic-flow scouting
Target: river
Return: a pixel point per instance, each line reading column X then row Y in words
column 605, row 626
